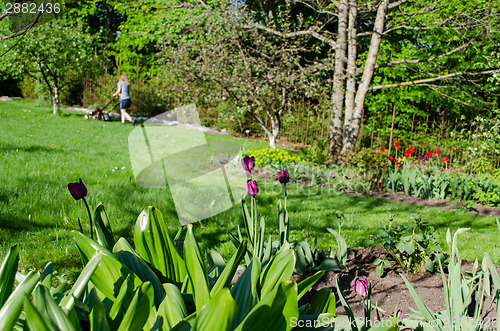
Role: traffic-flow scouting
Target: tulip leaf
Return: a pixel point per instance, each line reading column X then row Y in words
column 13, row 306
column 80, row 285
column 221, row 305
column 426, row 313
column 346, row 306
column 98, row 315
column 328, row 264
column 120, row 306
column 34, row 318
column 154, row 245
column 103, row 228
column 279, row 269
column 248, row 220
column 8, row 271
column 244, row 291
column 172, row 308
column 301, row 264
column 230, row 269
column 323, row 302
column 139, row 309
column 275, row 310
column 196, row 269
column 342, row 246
column 309, row 282
column 89, row 247
column 50, row 310
column 129, row 257
column 110, row 275
column 47, row 275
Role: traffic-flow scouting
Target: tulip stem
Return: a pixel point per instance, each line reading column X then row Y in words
column 285, row 196
column 90, row 218
column 255, row 225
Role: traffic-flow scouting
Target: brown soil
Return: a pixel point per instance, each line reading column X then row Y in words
column 421, row 201
column 389, row 291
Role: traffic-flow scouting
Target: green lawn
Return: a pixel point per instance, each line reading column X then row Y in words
column 41, row 154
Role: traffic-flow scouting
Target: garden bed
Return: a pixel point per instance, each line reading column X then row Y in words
column 388, row 292
column 422, row 201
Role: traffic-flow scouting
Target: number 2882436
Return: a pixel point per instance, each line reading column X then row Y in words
column 32, row 8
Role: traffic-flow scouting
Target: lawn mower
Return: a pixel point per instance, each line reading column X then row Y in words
column 99, row 113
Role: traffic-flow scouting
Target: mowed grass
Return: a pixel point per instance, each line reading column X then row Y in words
column 41, row 154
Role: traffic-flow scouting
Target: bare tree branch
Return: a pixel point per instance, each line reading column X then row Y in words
column 433, row 79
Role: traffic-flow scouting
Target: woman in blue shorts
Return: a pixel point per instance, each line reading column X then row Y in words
column 123, row 88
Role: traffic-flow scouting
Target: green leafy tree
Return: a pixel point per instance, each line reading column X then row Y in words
column 256, row 74
column 381, row 45
column 55, row 53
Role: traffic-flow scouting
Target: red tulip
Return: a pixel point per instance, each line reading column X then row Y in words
column 252, row 188
column 436, row 152
column 396, row 160
column 410, row 150
column 382, row 149
column 391, row 158
column 77, row 190
column 407, row 155
column 361, row 287
column 397, row 166
column 429, row 154
column 445, row 159
column 397, row 143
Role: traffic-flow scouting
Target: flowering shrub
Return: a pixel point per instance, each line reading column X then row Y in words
column 275, row 157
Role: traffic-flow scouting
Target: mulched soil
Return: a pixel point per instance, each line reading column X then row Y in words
column 421, row 201
column 387, row 291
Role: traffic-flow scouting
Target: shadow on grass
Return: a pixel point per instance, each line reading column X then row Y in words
column 6, row 148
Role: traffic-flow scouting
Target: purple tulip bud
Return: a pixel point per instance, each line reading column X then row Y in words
column 361, row 287
column 77, row 190
column 427, row 158
column 248, row 163
column 252, row 188
column 421, row 157
column 441, row 169
column 426, row 171
column 399, row 314
column 283, row 176
column 424, row 163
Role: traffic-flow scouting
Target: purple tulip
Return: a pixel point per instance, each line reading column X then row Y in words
column 283, row 176
column 361, row 287
column 77, row 190
column 441, row 169
column 248, row 163
column 427, row 158
column 424, row 163
column 421, row 157
column 426, row 171
column 252, row 188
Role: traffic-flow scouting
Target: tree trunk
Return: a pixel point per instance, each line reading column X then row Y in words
column 55, row 101
column 338, row 82
column 351, row 63
column 351, row 131
column 275, row 127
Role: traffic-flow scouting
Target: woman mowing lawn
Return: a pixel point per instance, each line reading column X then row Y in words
column 123, row 88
